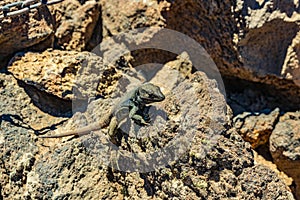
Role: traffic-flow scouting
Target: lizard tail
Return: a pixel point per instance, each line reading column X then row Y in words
column 81, row 131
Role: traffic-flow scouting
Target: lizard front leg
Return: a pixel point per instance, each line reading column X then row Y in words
column 134, row 115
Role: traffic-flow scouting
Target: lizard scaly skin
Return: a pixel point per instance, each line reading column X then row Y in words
column 133, row 105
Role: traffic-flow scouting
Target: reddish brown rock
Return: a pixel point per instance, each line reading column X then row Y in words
column 256, row 128
column 119, row 16
column 58, row 72
column 78, row 24
column 34, row 31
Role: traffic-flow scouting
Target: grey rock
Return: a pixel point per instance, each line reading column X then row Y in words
column 285, row 146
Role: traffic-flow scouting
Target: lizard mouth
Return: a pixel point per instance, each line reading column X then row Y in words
column 151, row 100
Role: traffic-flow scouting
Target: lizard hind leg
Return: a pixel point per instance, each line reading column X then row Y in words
column 112, row 129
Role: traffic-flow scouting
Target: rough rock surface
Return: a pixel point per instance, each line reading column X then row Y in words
column 20, row 120
column 245, row 43
column 119, row 16
column 227, row 30
column 285, row 146
column 260, row 160
column 247, row 40
column 217, row 164
column 256, row 128
column 231, row 32
column 291, row 69
column 78, row 24
column 18, row 109
column 263, row 42
column 209, row 23
column 65, row 74
column 34, row 31
column 245, row 96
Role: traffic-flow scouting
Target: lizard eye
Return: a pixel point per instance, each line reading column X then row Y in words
column 144, row 93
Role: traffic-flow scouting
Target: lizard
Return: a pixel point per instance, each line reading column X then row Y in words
column 132, row 105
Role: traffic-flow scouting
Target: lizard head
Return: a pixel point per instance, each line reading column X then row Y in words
column 149, row 93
